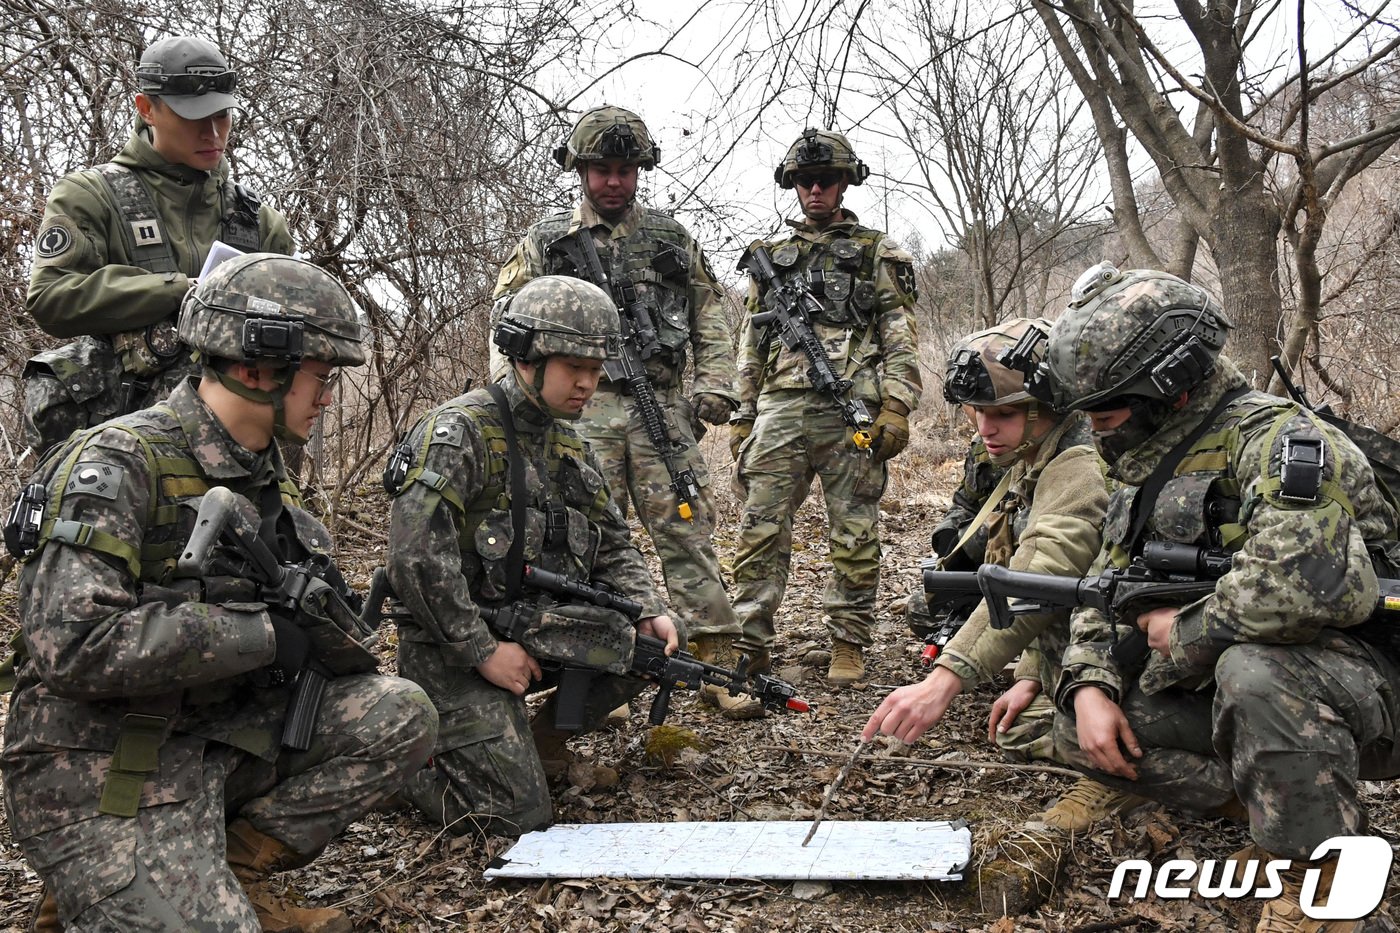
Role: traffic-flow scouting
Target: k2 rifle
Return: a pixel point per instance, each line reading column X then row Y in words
column 639, row 343
column 790, row 307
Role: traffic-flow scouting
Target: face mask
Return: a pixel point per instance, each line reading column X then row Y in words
column 1142, row 424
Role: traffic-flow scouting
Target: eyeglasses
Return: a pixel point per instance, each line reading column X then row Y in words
column 189, row 85
column 813, row 179
column 329, row 382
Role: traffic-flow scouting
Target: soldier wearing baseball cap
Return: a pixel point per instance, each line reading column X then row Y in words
column 121, row 244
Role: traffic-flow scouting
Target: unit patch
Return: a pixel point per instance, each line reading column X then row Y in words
column 95, row 479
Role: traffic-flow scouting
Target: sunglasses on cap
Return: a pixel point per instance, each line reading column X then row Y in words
column 190, row 85
column 825, row 179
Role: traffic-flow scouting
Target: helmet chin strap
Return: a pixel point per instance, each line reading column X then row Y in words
column 276, row 397
column 1028, row 439
column 534, row 391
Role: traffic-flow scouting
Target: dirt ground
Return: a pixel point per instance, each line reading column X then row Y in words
column 395, row 872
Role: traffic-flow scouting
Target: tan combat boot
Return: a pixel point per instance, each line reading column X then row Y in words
column 254, row 856
column 1284, row 914
column 1086, row 803
column 847, row 663
column 718, row 650
column 46, row 914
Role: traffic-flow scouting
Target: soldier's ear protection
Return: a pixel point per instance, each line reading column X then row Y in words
column 513, row 339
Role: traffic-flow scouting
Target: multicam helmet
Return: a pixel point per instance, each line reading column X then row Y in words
column 987, row 368
column 817, row 149
column 1139, row 333
column 558, row 314
column 270, row 307
column 608, row 133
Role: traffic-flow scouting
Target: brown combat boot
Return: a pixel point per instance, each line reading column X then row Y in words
column 45, row 918
column 1086, row 803
column 559, row 761
column 1284, row 914
column 847, row 663
column 719, row 651
column 254, row 856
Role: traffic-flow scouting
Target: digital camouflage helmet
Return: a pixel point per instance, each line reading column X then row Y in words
column 608, row 132
column 988, row 369
column 817, row 149
column 267, row 308
column 1132, row 335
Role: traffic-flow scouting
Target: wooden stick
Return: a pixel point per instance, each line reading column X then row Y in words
column 950, row 763
column 831, row 792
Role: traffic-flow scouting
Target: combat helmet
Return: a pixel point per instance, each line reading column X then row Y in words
column 1138, row 334
column 272, row 309
column 608, row 132
column 988, row 368
column 820, row 149
column 557, row 314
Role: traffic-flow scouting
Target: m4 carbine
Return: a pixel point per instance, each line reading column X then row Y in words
column 336, row 634
column 639, row 343
column 649, row 659
column 791, row 307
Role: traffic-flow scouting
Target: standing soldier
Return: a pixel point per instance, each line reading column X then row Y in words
column 1278, row 689
column 121, row 244
column 786, row 431
column 489, row 484
column 670, row 305
column 148, row 778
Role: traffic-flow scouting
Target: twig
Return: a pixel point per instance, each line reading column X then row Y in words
column 951, row 763
column 831, row 791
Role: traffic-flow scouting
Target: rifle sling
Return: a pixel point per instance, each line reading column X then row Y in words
column 992, row 501
column 515, row 557
column 1146, row 498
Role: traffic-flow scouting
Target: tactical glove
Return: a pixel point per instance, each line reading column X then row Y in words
column 738, row 433
column 712, row 408
column 891, row 430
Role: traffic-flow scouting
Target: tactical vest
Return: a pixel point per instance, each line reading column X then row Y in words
column 841, row 273
column 655, row 258
column 561, row 518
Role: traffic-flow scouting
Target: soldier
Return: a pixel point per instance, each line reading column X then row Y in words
column 144, row 779
column 121, row 244
column 674, row 289
column 1045, row 516
column 785, row 432
column 498, row 467
column 1273, row 690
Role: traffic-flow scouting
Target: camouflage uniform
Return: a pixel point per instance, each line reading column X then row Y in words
column 689, row 319
column 86, row 283
column 449, row 555
column 141, row 723
column 1268, row 693
column 869, row 334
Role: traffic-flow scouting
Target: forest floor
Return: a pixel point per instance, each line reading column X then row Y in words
column 396, row 872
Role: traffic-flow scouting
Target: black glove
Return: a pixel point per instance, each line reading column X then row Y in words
column 291, row 642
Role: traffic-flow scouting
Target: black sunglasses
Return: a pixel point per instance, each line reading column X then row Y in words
column 813, row 179
column 192, row 85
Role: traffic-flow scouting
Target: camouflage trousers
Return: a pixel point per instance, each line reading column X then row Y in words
column 694, row 586
column 797, row 436
column 165, row 868
column 1031, row 735
column 486, row 777
column 1290, row 729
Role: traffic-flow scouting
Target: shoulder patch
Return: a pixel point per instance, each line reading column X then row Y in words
column 447, row 432
column 95, row 478
column 57, row 241
column 904, row 280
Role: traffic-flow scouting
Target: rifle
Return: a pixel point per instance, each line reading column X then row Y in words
column 639, row 343
column 290, row 588
column 792, row 306
column 955, row 608
column 649, row 659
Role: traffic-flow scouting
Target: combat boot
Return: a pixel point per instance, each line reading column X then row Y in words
column 254, row 856
column 1284, row 914
column 1086, row 803
column 847, row 663
column 557, row 758
column 45, row 918
column 718, row 650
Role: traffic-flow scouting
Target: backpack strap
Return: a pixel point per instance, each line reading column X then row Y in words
column 141, row 226
column 515, row 557
column 240, row 223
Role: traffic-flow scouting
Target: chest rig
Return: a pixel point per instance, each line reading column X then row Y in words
column 841, row 273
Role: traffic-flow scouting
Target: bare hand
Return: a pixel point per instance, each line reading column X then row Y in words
column 663, row 628
column 510, row 668
column 1010, row 705
column 908, row 712
column 1158, row 623
column 1102, row 727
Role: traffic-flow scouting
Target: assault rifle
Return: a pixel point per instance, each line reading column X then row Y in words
column 791, row 306
column 639, row 343
column 649, row 659
column 953, row 611
column 336, row 634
